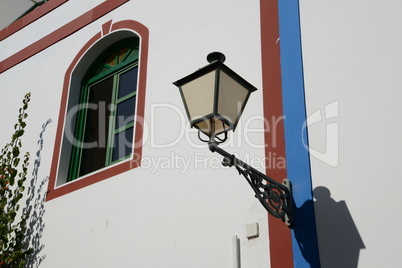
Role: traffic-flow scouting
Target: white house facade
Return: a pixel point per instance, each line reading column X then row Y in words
column 118, row 177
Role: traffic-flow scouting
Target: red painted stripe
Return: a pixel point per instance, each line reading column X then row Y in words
column 279, row 234
column 60, row 33
column 30, row 17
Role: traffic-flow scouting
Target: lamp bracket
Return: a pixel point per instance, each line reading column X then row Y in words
column 216, row 138
column 275, row 197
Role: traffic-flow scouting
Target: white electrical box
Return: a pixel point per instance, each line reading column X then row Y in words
column 252, row 230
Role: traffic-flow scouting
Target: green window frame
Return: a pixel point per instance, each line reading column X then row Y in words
column 104, row 128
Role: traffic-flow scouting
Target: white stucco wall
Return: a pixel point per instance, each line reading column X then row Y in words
column 351, row 57
column 156, row 216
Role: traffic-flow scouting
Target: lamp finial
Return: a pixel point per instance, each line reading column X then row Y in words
column 216, row 56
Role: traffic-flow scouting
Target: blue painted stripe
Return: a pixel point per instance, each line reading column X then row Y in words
column 304, row 237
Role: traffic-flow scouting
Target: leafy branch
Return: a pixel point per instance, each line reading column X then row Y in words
column 13, row 172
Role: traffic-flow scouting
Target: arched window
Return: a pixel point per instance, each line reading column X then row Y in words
column 104, row 126
column 101, row 119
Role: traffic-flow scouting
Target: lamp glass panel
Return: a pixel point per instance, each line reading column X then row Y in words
column 199, row 95
column 220, row 126
column 232, row 96
column 207, row 125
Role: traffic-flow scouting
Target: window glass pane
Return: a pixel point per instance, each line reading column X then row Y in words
column 123, row 144
column 128, row 82
column 123, row 53
column 125, row 112
column 111, row 60
column 96, row 127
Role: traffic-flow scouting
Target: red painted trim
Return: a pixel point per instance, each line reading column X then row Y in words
column 279, row 234
column 53, row 192
column 63, row 107
column 106, row 27
column 30, row 17
column 60, row 33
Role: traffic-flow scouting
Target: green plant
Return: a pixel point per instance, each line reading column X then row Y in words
column 13, row 172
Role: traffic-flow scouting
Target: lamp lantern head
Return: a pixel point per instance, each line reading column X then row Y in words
column 214, row 97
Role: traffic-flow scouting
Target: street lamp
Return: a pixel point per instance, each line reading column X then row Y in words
column 214, row 98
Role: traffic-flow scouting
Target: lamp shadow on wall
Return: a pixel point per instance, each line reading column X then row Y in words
column 339, row 240
column 35, row 205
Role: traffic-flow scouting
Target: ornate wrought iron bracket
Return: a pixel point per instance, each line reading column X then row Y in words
column 275, row 197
